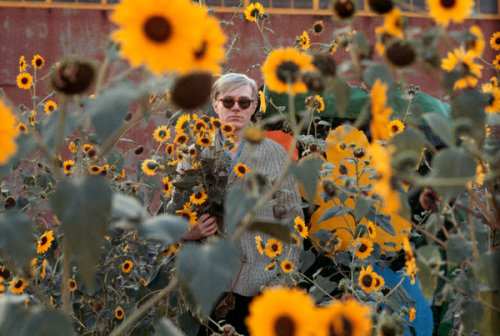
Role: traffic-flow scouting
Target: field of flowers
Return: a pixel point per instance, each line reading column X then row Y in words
column 401, row 190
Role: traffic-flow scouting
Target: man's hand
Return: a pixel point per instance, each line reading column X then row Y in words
column 205, row 226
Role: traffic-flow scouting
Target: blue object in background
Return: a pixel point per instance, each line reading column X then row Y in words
column 424, row 321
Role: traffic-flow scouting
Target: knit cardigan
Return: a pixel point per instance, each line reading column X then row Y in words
column 268, row 158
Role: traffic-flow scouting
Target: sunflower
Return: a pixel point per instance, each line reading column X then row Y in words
column 296, row 238
column 254, row 11
column 215, row 122
column 366, row 279
column 22, row 64
column 475, row 43
column 72, row 285
column 496, row 62
column 87, row 147
column 37, row 62
column 200, row 125
column 21, row 127
column 8, row 133
column 241, row 170
column 69, row 166
column 199, row 198
column 210, row 53
column 161, row 134
column 444, row 11
column 412, row 314
column 17, row 285
column 254, row 134
column 43, row 274
column 262, row 98
column 50, row 106
column 204, row 140
column 32, row 117
column 273, row 248
column 364, row 247
column 460, row 60
column 24, row 80
column 319, row 103
column 303, row 41
column 119, row 313
column 170, row 149
column 380, row 113
column 45, row 242
column 344, row 318
column 149, row 166
column 72, row 147
column 271, row 266
column 189, row 215
column 379, row 281
column 493, row 94
column 259, row 245
column 495, row 41
column 181, row 139
column 300, row 227
column 292, row 313
column 494, row 81
column 167, row 185
column 283, row 67
column 144, row 283
column 182, row 123
column 381, row 161
column 393, row 23
column 228, row 129
column 318, row 27
column 395, row 126
column 287, row 266
column 180, row 156
column 162, row 34
column 95, row 170
column 127, row 266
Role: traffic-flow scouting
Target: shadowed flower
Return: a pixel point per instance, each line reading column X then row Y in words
column 69, row 166
column 170, row 149
column 127, row 266
column 379, row 281
column 162, row 34
column 318, row 27
column 119, row 313
column 167, row 185
column 343, row 9
column 282, row 70
column 381, row 6
column 210, row 53
column 45, row 242
column 254, row 11
column 72, row 285
column 24, row 80
column 493, row 98
column 149, row 167
column 291, row 314
column 344, row 318
column 254, row 134
column 475, row 43
column 17, row 285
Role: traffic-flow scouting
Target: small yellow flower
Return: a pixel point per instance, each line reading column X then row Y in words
column 273, row 248
column 45, row 242
column 301, row 227
column 241, row 170
column 37, row 61
column 50, row 106
column 304, row 41
column 287, row 266
column 17, row 285
column 364, row 247
column 199, row 198
column 167, row 185
column 161, row 134
column 22, row 127
column 22, row 64
column 72, row 285
column 119, row 313
column 366, row 279
column 258, row 244
column 127, row 266
column 95, row 170
column 72, row 147
column 395, row 127
column 149, row 167
column 24, row 80
column 254, row 11
column 413, row 313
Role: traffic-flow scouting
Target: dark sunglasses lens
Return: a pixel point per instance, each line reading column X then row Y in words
column 228, row 102
column 245, row 103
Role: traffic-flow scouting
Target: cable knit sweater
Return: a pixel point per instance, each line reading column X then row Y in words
column 269, row 159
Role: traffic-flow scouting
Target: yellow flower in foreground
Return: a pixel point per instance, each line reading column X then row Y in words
column 254, row 11
column 149, row 166
column 281, row 311
column 45, row 242
column 445, row 11
column 210, row 53
column 340, row 317
column 127, row 266
column 475, row 44
column 282, row 70
column 8, row 133
column 24, row 80
column 17, row 285
column 458, row 58
column 161, row 34
column 393, row 23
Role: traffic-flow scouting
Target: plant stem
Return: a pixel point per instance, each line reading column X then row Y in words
column 66, row 298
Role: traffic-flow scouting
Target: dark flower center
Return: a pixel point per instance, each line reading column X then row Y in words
column 182, row 139
column 51, row 108
column 201, row 52
column 344, row 8
column 284, row 326
column 19, row 284
column 287, row 72
column 300, row 228
column 274, row 247
column 387, row 331
column 166, row 186
column 447, row 3
column 343, row 169
column 205, row 140
column 24, row 80
column 367, row 280
column 241, row 169
column 126, row 266
column 288, row 266
column 43, row 241
column 38, row 62
column 198, row 195
column 152, row 165
column 255, row 12
column 162, row 134
column 346, row 330
column 497, row 40
column 158, row 29
column 363, row 248
column 377, row 282
column 318, row 27
column 395, row 128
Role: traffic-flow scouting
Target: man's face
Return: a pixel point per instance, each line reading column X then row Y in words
column 235, row 115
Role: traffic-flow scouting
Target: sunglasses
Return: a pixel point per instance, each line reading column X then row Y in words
column 244, row 103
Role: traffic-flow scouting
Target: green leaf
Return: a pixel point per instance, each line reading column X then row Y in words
column 334, row 211
column 441, row 127
column 411, row 139
column 362, row 207
column 457, row 248
column 108, row 110
column 384, row 221
column 48, row 322
column 452, row 163
column 237, row 205
column 471, row 314
column 487, row 269
column 12, row 314
column 323, row 283
column 16, row 238
column 470, row 104
column 205, row 271
column 342, row 94
column 307, row 174
column 50, row 126
column 277, row 230
column 306, row 260
column 428, row 262
column 127, row 208
column 83, row 205
column 376, row 71
column 165, row 327
column 188, row 323
column 489, row 323
column 168, row 229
